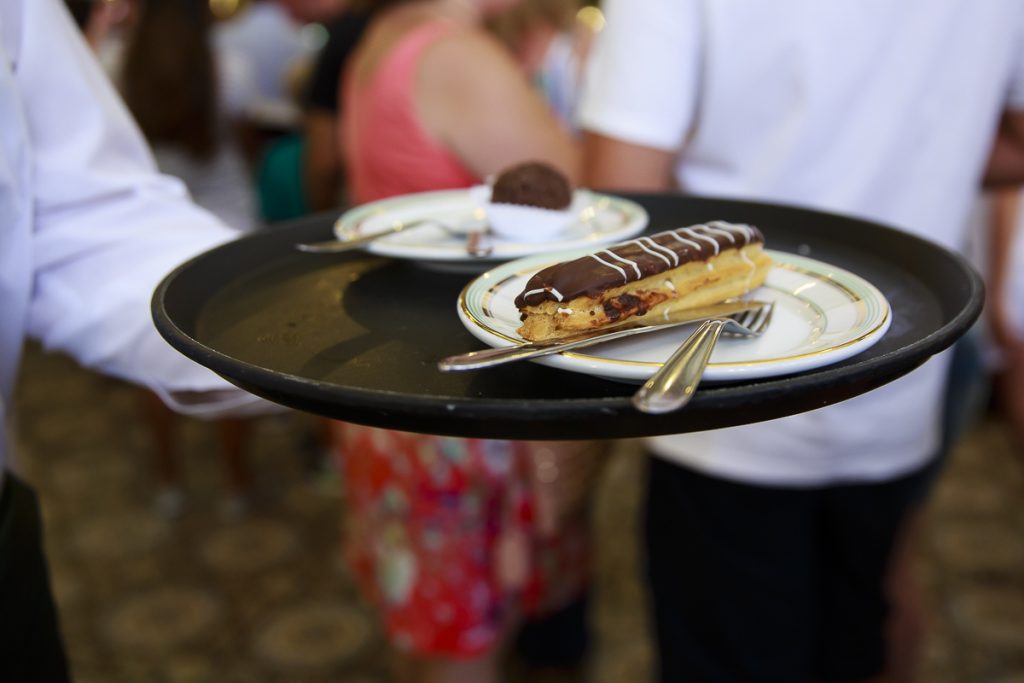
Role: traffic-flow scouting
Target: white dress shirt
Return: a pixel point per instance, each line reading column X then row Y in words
column 87, row 226
column 879, row 109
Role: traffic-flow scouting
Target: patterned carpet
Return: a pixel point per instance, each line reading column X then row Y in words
column 258, row 594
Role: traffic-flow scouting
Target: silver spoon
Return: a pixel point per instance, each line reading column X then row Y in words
column 475, row 230
column 675, row 383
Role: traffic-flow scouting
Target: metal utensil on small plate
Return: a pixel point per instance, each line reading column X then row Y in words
column 475, row 230
column 675, row 383
column 487, row 358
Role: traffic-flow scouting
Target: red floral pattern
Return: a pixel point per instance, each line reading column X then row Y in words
column 442, row 537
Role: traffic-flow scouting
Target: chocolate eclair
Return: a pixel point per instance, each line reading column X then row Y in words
column 668, row 271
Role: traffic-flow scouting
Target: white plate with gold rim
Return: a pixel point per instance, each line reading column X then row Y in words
column 823, row 314
column 596, row 219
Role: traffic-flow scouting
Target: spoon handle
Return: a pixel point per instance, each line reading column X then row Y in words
column 675, row 383
column 337, row 246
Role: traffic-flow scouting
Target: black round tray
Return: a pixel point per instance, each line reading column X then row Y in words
column 356, row 337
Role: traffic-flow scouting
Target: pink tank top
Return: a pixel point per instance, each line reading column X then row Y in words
column 388, row 152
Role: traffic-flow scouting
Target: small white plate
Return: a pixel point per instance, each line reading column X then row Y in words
column 598, row 219
column 823, row 314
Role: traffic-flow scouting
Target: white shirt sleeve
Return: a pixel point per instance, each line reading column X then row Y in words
column 643, row 78
column 107, row 225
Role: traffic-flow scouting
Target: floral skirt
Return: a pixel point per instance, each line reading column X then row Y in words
column 443, row 538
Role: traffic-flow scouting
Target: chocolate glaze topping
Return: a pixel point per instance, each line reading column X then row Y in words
column 634, row 260
column 533, row 183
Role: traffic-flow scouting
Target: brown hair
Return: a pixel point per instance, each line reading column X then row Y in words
column 168, row 78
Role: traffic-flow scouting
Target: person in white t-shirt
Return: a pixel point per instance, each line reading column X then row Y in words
column 768, row 544
column 88, row 228
column 272, row 42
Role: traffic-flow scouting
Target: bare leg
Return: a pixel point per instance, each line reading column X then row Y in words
column 236, row 470
column 160, row 420
column 906, row 628
column 483, row 669
column 905, row 632
column 170, row 502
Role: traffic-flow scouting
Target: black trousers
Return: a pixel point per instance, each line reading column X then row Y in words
column 30, row 645
column 760, row 584
column 556, row 641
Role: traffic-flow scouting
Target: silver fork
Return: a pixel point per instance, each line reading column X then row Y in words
column 675, row 383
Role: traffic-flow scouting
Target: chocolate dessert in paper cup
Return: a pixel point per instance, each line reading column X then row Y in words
column 531, row 202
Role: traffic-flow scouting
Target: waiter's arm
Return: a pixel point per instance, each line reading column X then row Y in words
column 1006, row 161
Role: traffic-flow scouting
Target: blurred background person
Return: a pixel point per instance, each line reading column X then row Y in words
column 269, row 36
column 449, row 537
column 550, row 39
column 193, row 131
column 194, row 137
column 849, row 107
column 323, row 170
column 100, row 21
column 289, row 173
column 545, row 36
column 473, row 125
column 277, row 40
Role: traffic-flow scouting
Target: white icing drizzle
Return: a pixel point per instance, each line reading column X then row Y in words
column 691, row 231
column 640, row 243
column 689, row 243
column 625, row 278
column 669, row 286
column 554, row 292
column 721, row 231
column 748, row 231
column 621, row 259
column 564, row 311
column 659, row 248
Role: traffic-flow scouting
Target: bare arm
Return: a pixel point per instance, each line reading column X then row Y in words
column 474, row 98
column 614, row 164
column 322, row 164
column 1006, row 161
column 1010, row 387
column 1005, row 211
